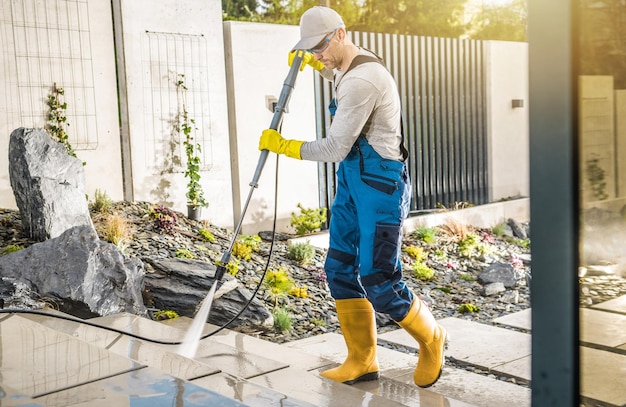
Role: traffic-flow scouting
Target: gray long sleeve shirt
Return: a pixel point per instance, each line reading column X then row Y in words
column 368, row 103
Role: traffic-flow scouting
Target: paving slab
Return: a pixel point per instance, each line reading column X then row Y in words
column 602, row 328
column 520, row 320
column 65, row 323
column 144, row 387
column 303, row 385
column 614, row 305
column 37, row 360
column 257, row 346
column 250, row 394
column 407, row 393
column 478, row 344
column 602, row 376
column 392, row 364
column 144, row 352
column 476, row 389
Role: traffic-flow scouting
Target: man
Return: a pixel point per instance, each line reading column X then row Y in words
column 363, row 267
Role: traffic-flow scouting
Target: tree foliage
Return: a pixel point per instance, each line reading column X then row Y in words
column 505, row 22
column 433, row 18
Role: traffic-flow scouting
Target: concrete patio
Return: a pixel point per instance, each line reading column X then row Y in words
column 47, row 361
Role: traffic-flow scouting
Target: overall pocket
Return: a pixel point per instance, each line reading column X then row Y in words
column 386, row 246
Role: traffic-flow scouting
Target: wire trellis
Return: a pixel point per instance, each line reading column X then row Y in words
column 52, row 45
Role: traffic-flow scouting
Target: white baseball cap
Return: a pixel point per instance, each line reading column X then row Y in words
column 315, row 24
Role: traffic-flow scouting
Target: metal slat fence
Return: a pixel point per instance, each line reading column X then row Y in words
column 441, row 83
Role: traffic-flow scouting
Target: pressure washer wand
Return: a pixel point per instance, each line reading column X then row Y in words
column 279, row 110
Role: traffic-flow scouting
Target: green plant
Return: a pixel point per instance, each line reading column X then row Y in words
column 278, row 283
column 10, row 249
column 164, row 218
column 303, row 253
column 522, row 243
column 426, row 235
column 309, row 220
column 299, row 291
column 468, row 245
column 595, row 176
column 416, row 253
column 467, row 277
column 245, row 245
column 422, row 271
column 102, row 202
column 57, row 119
column 232, row 267
column 187, row 126
column 282, row 319
column 446, row 290
column 317, row 322
column 206, row 235
column 183, row 253
column 499, row 229
column 468, row 308
column 165, row 314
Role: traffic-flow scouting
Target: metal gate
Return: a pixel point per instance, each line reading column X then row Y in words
column 441, row 83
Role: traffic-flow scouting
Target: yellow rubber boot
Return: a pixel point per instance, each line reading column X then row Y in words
column 358, row 324
column 431, row 337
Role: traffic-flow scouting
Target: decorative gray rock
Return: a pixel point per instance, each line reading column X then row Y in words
column 182, row 284
column 81, row 274
column 499, row 272
column 48, row 184
column 517, row 228
column 493, row 289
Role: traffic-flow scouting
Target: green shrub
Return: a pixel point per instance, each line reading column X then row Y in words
column 184, row 254
column 278, row 284
column 10, row 249
column 416, row 253
column 499, row 229
column 245, row 245
column 206, row 235
column 317, row 322
column 165, row 314
column 303, row 253
column 426, row 235
column 422, row 271
column 468, row 308
column 468, row 277
column 102, row 202
column 309, row 220
column 282, row 319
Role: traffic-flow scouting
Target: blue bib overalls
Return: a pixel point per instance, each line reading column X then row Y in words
column 363, row 259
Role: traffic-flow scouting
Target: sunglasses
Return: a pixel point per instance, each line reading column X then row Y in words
column 321, row 47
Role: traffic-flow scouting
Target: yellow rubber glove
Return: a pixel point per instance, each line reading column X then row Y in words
column 272, row 140
column 307, row 59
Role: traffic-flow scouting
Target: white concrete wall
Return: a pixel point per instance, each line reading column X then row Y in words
column 257, row 68
column 506, row 66
column 161, row 39
column 41, row 44
column 246, row 63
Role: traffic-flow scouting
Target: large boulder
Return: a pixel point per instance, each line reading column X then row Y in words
column 48, row 184
column 79, row 273
column 182, row 284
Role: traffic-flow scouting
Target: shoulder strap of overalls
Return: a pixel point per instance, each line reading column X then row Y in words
column 361, row 59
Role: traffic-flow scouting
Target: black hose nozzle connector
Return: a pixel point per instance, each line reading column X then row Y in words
column 219, row 272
